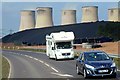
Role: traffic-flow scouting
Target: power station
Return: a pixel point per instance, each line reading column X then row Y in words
column 114, row 14
column 27, row 20
column 44, row 17
column 68, row 17
column 89, row 14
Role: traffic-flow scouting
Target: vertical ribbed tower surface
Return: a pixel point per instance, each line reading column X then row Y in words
column 68, row 17
column 44, row 17
column 27, row 20
column 89, row 14
column 114, row 14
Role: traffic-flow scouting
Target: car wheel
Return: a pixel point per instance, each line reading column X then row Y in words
column 84, row 73
column 114, row 76
column 77, row 70
column 49, row 56
column 56, row 58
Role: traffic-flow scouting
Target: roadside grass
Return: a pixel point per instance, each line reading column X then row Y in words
column 34, row 50
column 5, row 68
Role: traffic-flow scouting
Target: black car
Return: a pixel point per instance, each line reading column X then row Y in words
column 95, row 63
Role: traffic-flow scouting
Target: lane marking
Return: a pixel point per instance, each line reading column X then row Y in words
column 62, row 75
column 36, row 59
column 39, row 61
column 9, row 75
column 47, row 64
column 118, row 70
column 54, row 69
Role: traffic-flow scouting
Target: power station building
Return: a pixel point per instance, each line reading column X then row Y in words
column 89, row 14
column 68, row 17
column 114, row 14
column 44, row 17
column 27, row 20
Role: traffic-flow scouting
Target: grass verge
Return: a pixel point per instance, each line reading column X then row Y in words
column 5, row 68
column 34, row 50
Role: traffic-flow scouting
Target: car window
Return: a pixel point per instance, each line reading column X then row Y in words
column 96, row 56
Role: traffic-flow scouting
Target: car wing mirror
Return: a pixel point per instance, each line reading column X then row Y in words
column 81, row 61
column 53, row 48
column 112, row 58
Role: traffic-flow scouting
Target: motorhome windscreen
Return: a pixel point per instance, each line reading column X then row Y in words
column 63, row 45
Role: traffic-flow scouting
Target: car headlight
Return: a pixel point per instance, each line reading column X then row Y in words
column 89, row 66
column 113, row 65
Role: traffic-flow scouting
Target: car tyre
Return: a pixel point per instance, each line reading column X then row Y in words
column 49, row 56
column 77, row 70
column 56, row 58
column 84, row 73
column 114, row 76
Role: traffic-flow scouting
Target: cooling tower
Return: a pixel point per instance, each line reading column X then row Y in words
column 114, row 14
column 44, row 17
column 68, row 17
column 27, row 20
column 89, row 14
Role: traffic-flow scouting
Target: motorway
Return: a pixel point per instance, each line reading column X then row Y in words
column 26, row 64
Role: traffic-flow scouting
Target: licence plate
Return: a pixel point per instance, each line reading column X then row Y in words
column 101, row 71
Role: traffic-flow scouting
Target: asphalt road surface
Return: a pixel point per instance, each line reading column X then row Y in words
column 26, row 64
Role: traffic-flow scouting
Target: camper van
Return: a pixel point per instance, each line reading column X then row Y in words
column 59, row 45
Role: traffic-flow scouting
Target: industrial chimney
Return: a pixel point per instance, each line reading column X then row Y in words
column 89, row 14
column 44, row 17
column 68, row 17
column 114, row 14
column 27, row 20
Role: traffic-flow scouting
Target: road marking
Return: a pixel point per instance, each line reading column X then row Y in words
column 26, row 55
column 47, row 64
column 30, row 57
column 54, row 69
column 118, row 70
column 63, row 75
column 40, row 62
column 10, row 67
column 35, row 59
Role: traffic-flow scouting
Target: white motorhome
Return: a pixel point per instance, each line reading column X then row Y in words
column 59, row 45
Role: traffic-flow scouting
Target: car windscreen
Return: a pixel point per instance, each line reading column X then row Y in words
column 96, row 56
column 63, row 45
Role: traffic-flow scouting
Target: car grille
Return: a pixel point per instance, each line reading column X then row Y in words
column 97, row 71
column 65, row 54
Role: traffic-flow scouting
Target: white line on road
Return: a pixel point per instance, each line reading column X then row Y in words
column 63, row 75
column 54, row 69
column 40, row 62
column 47, row 64
column 36, row 59
column 118, row 70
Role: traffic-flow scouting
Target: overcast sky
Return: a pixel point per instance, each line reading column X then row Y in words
column 11, row 11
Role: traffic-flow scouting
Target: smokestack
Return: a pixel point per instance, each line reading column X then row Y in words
column 68, row 17
column 114, row 14
column 89, row 14
column 44, row 17
column 27, row 20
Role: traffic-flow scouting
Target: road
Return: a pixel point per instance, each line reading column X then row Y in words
column 26, row 64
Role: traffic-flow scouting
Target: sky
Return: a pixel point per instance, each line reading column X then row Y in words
column 11, row 12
